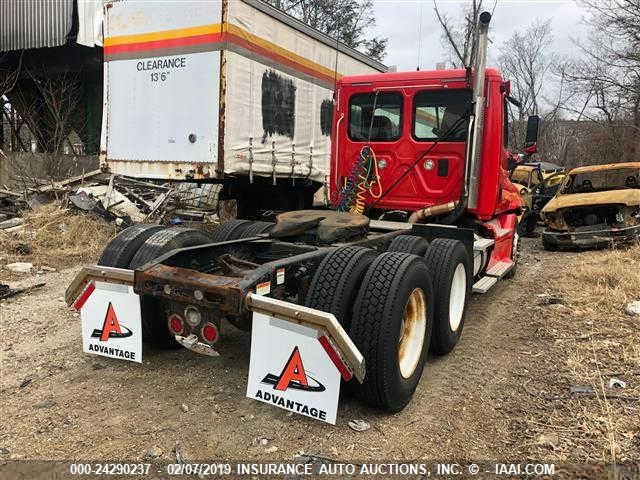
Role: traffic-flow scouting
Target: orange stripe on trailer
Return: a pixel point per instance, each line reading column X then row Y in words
column 163, row 35
column 214, row 35
column 84, row 296
column 163, row 44
column 335, row 358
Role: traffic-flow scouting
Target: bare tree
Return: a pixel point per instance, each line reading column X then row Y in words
column 526, row 62
column 49, row 104
column 345, row 20
column 607, row 77
column 459, row 36
column 9, row 73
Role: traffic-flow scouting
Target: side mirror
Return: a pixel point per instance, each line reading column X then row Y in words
column 531, row 139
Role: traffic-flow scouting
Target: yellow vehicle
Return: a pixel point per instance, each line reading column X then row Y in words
column 595, row 206
column 537, row 184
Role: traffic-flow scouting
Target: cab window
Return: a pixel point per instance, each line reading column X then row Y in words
column 437, row 114
column 381, row 125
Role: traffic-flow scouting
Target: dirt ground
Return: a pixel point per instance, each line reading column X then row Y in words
column 504, row 393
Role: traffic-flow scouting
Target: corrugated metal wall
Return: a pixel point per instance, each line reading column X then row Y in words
column 34, row 23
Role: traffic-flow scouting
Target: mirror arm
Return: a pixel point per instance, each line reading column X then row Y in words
column 514, row 101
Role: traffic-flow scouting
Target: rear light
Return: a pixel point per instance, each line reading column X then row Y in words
column 209, row 333
column 176, row 324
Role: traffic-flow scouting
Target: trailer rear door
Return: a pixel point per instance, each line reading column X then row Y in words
column 162, row 71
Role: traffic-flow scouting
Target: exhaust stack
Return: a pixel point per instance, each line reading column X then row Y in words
column 480, row 66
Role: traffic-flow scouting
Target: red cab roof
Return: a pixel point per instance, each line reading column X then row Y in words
column 414, row 76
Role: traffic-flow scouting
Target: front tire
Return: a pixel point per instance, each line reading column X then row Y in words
column 527, row 224
column 391, row 326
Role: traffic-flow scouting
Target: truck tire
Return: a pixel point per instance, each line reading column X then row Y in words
column 154, row 324
column 337, row 280
column 121, row 249
column 166, row 240
column 450, row 266
column 528, row 223
column 391, row 326
column 409, row 244
column 515, row 253
column 252, row 229
column 227, row 231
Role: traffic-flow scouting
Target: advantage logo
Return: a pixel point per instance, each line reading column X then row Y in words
column 111, row 327
column 293, row 376
column 290, row 369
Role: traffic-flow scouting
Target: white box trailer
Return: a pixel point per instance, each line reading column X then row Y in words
column 219, row 90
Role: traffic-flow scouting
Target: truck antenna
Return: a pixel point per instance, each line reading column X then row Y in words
column 419, row 35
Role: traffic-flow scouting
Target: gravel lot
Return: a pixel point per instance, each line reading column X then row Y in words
column 504, row 393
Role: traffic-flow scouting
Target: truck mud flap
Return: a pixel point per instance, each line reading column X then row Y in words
column 334, row 338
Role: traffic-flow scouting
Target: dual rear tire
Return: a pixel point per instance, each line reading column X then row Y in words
column 392, row 325
column 140, row 244
column 450, row 267
column 395, row 307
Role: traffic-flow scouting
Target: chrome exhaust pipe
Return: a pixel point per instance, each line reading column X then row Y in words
column 478, row 112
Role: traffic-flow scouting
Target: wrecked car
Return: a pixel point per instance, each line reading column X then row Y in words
column 537, row 183
column 596, row 206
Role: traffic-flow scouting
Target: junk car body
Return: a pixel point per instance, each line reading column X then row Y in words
column 595, row 206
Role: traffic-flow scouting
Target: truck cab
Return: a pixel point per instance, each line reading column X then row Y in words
column 400, row 116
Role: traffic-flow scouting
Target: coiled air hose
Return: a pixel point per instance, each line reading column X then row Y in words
column 363, row 180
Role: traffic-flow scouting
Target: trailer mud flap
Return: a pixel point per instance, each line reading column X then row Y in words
column 298, row 356
column 111, row 321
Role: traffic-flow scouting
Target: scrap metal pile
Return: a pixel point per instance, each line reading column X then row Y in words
column 123, row 200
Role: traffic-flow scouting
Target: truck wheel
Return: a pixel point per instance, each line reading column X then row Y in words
column 336, row 282
column 121, row 249
column 515, row 254
column 409, row 244
column 391, row 326
column 527, row 224
column 154, row 324
column 228, row 230
column 252, row 229
column 166, row 240
column 450, row 266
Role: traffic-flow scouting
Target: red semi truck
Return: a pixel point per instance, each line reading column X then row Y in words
column 424, row 215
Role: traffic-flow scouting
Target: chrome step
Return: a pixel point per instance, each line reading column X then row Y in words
column 500, row 269
column 481, row 244
column 484, row 284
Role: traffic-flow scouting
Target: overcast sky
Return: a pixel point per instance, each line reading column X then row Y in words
column 399, row 21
